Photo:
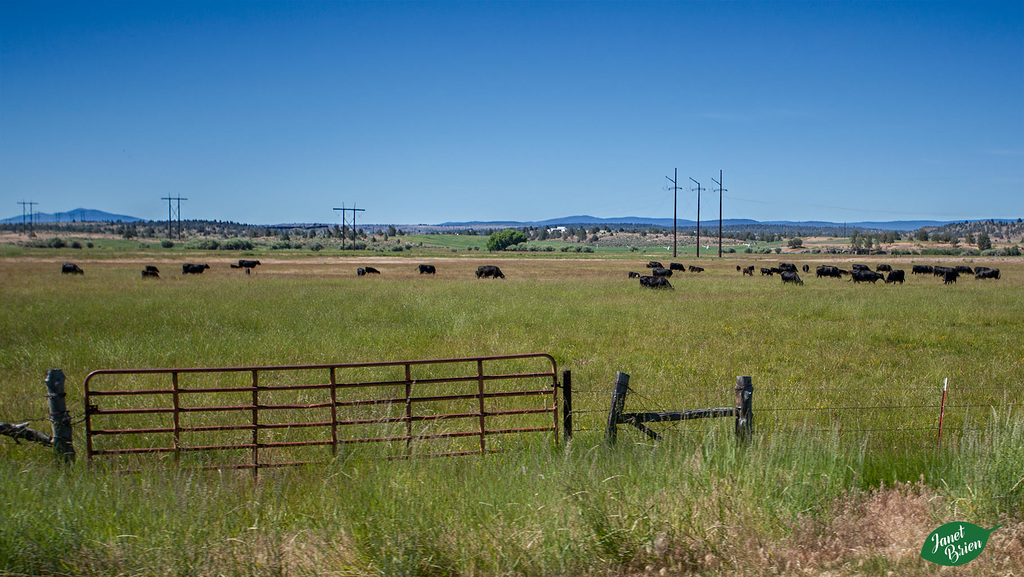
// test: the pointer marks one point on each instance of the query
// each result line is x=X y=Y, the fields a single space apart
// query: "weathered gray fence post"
x=618 y=405
x=59 y=417
x=567 y=405
x=744 y=408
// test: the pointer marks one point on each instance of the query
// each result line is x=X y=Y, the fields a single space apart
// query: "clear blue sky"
x=425 y=112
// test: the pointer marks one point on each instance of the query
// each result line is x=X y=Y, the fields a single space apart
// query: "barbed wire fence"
x=850 y=412
x=60 y=419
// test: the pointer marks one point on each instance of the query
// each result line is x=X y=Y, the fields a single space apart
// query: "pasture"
x=844 y=473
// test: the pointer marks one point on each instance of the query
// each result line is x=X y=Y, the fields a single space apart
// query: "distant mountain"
x=77 y=215
x=577 y=220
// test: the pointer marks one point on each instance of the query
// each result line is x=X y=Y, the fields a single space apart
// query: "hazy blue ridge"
x=93 y=215
x=76 y=215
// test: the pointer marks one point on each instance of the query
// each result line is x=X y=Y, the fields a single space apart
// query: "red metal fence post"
x=483 y=415
x=942 y=408
x=255 y=424
x=334 y=414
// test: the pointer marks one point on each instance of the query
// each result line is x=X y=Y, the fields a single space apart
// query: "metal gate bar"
x=257 y=448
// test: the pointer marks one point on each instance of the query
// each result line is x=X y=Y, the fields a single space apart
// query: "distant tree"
x=921 y=235
x=969 y=238
x=984 y=242
x=503 y=239
x=391 y=230
x=795 y=242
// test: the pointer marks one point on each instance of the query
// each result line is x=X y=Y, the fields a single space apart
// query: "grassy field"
x=844 y=474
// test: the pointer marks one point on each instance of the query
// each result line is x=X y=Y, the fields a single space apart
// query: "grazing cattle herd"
x=658 y=279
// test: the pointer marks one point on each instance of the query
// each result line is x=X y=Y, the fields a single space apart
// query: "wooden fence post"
x=744 y=408
x=567 y=405
x=618 y=405
x=59 y=417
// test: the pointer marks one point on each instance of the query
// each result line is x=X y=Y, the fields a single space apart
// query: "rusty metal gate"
x=272 y=416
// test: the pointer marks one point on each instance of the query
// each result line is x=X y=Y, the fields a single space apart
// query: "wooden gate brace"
x=743 y=411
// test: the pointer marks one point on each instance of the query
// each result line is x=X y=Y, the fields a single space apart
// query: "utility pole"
x=170 y=218
x=344 y=210
x=698 y=214
x=29 y=204
x=675 y=205
x=720 y=189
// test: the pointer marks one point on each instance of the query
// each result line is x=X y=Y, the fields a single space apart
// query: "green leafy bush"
x=501 y=240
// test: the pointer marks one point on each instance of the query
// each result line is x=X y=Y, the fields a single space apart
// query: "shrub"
x=89 y=245
x=316 y=247
x=166 y=243
x=501 y=240
x=588 y=249
x=237 y=244
x=76 y=244
x=203 y=244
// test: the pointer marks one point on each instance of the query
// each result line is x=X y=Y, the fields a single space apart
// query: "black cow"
x=360 y=271
x=487 y=270
x=246 y=264
x=791 y=276
x=70 y=268
x=895 y=276
x=150 y=272
x=807 y=268
x=921 y=269
x=963 y=269
x=427 y=269
x=950 y=276
x=985 y=272
x=942 y=270
x=787 y=267
x=861 y=267
x=677 y=266
x=662 y=272
x=371 y=270
x=696 y=269
x=655 y=282
x=883 y=268
x=749 y=270
x=634 y=274
x=828 y=271
x=654 y=264
x=151 y=268
x=867 y=276
x=194 y=268
x=767 y=271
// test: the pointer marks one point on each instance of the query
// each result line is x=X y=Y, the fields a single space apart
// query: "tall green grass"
x=695 y=502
